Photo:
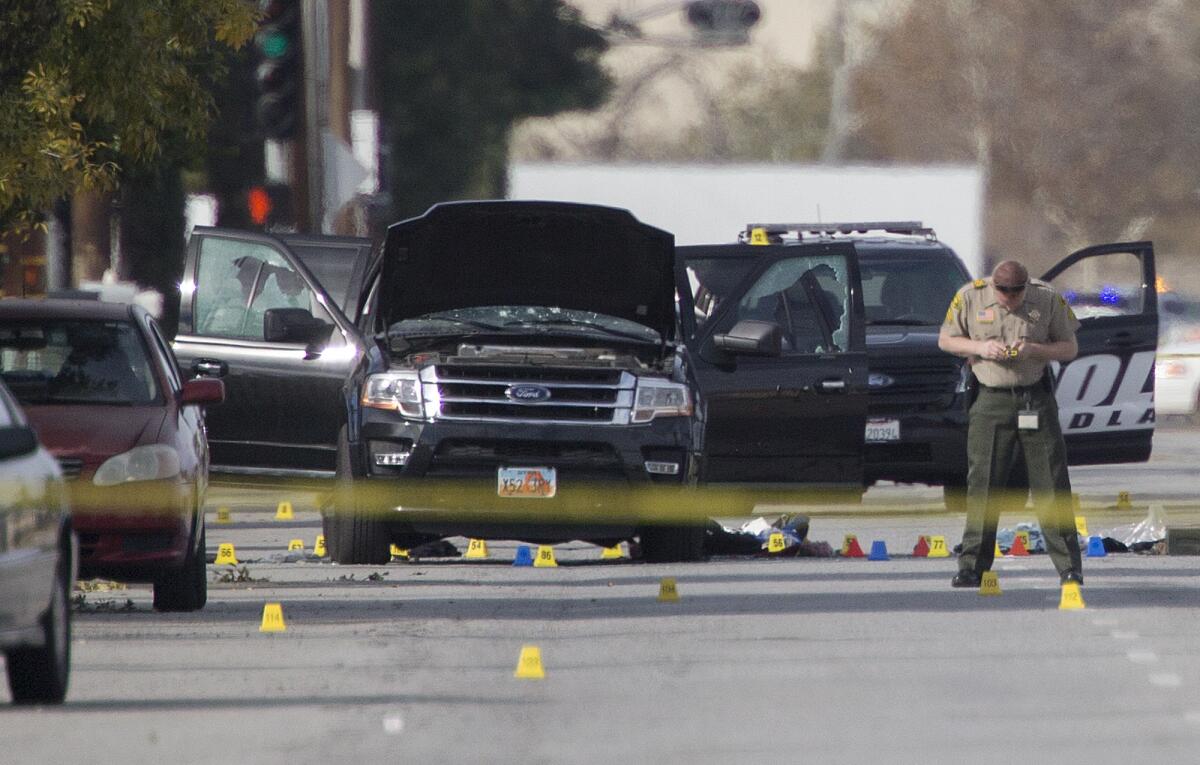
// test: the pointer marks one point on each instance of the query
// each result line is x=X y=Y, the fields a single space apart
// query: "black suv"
x=919 y=395
x=526 y=370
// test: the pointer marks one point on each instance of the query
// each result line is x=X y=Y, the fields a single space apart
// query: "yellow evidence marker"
x=668 y=592
x=937 y=547
x=223 y=515
x=529 y=664
x=272 y=619
x=225 y=555
x=999 y=553
x=758 y=236
x=1123 y=501
x=284 y=512
x=476 y=548
x=545 y=557
x=1081 y=525
x=399 y=552
x=319 y=546
x=775 y=543
x=989 y=583
x=612 y=553
x=1072 y=597
x=296 y=544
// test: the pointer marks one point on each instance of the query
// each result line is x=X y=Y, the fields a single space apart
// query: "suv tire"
x=185 y=589
x=354 y=536
x=672 y=544
x=39 y=675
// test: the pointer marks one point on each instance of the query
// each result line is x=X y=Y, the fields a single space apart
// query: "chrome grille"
x=913 y=387
x=595 y=395
x=71 y=467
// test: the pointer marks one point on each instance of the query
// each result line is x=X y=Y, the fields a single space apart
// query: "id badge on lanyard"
x=1027 y=418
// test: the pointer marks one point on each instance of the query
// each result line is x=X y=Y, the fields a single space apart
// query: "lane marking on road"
x=393 y=724
x=1141 y=656
x=1124 y=635
x=1165 y=680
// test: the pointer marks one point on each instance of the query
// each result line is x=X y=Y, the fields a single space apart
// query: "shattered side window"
x=808 y=298
x=238 y=281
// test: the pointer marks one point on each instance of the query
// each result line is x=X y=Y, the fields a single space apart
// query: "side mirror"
x=292 y=325
x=17 y=441
x=202 y=390
x=751 y=338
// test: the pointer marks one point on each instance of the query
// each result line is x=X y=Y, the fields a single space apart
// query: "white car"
x=1177 y=379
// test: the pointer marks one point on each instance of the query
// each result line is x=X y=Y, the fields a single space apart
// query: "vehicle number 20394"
x=526 y=482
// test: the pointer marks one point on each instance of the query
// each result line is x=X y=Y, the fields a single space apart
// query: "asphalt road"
x=801 y=659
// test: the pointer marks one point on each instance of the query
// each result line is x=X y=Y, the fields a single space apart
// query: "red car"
x=101 y=387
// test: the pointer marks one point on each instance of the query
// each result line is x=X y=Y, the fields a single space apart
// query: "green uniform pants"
x=994 y=444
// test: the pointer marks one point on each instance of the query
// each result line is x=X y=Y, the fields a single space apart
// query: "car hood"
x=583 y=257
x=93 y=433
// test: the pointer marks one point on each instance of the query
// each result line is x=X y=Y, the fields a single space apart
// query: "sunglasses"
x=1013 y=290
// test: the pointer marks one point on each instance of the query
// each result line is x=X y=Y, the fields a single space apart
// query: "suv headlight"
x=394 y=392
x=141 y=463
x=659 y=398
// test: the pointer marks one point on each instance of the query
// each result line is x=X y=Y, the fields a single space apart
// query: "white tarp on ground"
x=705 y=204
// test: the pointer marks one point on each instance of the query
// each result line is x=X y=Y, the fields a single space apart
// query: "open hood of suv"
x=583 y=257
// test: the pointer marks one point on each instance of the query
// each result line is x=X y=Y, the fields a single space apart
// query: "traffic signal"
x=270 y=206
x=723 y=21
x=280 y=68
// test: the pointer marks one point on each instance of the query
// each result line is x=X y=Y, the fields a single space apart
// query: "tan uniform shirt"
x=1043 y=317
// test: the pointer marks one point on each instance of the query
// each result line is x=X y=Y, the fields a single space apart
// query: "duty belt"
x=1013 y=388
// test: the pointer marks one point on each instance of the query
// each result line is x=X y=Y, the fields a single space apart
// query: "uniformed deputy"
x=1009 y=328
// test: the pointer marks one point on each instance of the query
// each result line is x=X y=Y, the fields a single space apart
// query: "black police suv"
x=919 y=395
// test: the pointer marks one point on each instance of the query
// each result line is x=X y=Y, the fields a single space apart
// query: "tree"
x=1083 y=115
x=453 y=77
x=90 y=87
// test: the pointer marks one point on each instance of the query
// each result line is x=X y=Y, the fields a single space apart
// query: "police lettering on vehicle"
x=1106 y=392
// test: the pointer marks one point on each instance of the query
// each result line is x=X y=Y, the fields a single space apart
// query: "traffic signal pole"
x=316 y=88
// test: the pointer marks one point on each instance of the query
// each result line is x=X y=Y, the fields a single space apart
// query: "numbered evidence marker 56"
x=226 y=555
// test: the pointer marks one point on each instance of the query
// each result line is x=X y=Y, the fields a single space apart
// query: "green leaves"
x=88 y=87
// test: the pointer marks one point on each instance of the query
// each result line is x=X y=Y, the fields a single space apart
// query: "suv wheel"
x=354 y=536
x=185 y=589
x=39 y=675
x=672 y=544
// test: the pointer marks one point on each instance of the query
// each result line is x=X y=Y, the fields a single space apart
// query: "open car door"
x=268 y=315
x=777 y=354
x=1106 y=395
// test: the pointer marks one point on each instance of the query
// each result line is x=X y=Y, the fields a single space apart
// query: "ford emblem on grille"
x=878 y=380
x=527 y=394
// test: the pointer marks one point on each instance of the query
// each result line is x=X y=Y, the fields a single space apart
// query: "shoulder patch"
x=979 y=284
